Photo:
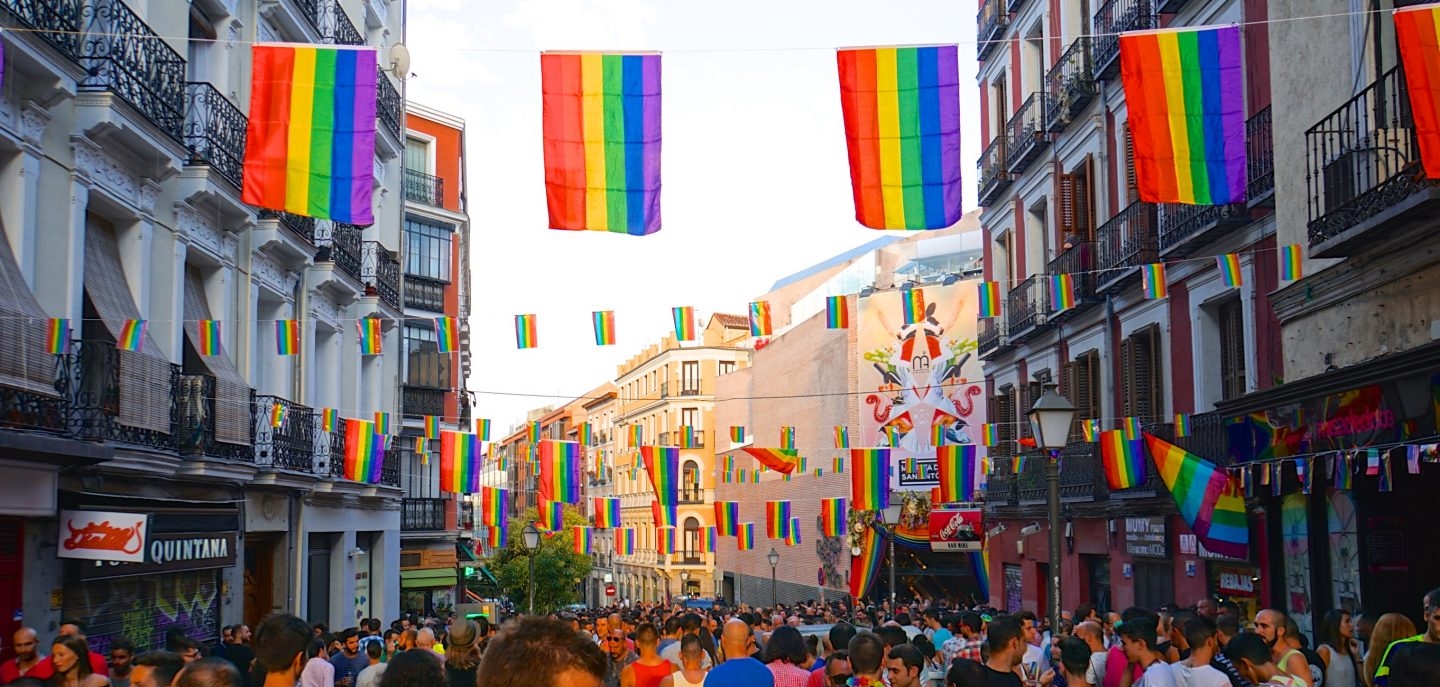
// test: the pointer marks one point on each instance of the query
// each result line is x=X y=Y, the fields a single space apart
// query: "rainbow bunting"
x=955 y=466
x=132 y=335
x=364 y=452
x=310 y=138
x=1278 y=479
x=1229 y=266
x=607 y=512
x=602 y=141
x=494 y=505
x=1385 y=481
x=432 y=426
x=371 y=335
x=663 y=515
x=447 y=335
x=1017 y=465
x=1415 y=36
x=665 y=540
x=727 y=516
x=526 y=335
x=737 y=434
x=532 y=432
x=583 y=434
x=625 y=543
x=420 y=451
x=892 y=435
x=57 y=336
x=1152 y=280
x=662 y=463
x=912 y=305
x=777 y=459
x=1186 y=92
x=560 y=471
x=745 y=536
x=777 y=519
x=482 y=428
x=937 y=434
x=1182 y=425
x=792 y=534
x=604 y=324
x=1208 y=499
x=707 y=540
x=209 y=337
x=328 y=419
x=684 y=317
x=842 y=436
x=837 y=465
x=1306 y=474
x=1290 y=266
x=459 y=463
x=760 y=318
x=989 y=301
x=495 y=537
x=277 y=415
x=550 y=515
x=832 y=517
x=837 y=312
x=902 y=132
x=287 y=337
x=869 y=482
x=1091 y=428
x=583 y=540
x=865 y=568
x=988 y=435
x=637 y=436
x=382 y=424
x=1122 y=459
x=787 y=438
x=1131 y=426
x=1062 y=292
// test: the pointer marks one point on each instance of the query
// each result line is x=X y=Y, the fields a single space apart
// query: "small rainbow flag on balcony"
x=745 y=536
x=1152 y=280
x=737 y=434
x=604 y=325
x=777 y=519
x=459 y=463
x=607 y=512
x=707 y=540
x=583 y=540
x=727 y=516
x=526 y=335
x=382 y=424
x=447 y=335
x=482 y=428
x=277 y=415
x=132 y=335
x=902 y=132
x=989 y=301
x=208 y=337
x=494 y=505
x=1017 y=465
x=364 y=452
x=842 y=436
x=371 y=335
x=57 y=336
x=432 y=426
x=1062 y=292
x=1290 y=265
x=1229 y=266
x=1182 y=425
x=287 y=337
x=760 y=318
x=1123 y=459
x=787 y=438
x=989 y=436
x=1186 y=92
x=869 y=478
x=1091 y=429
x=550 y=515
x=956 y=470
x=684 y=317
x=832 y=517
x=912 y=305
x=837 y=312
x=328 y=418
x=1132 y=428
x=688 y=436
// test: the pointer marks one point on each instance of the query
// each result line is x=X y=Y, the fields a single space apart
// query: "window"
x=1232 y=349
x=1002 y=415
x=726 y=367
x=1132 y=185
x=690 y=417
x=1081 y=384
x=417 y=155
x=1014 y=588
x=692 y=539
x=690 y=377
x=427 y=249
x=1077 y=202
x=1142 y=375
x=425 y=365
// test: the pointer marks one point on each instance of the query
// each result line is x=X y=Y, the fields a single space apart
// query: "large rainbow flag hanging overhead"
x=662 y=463
x=364 y=452
x=832 y=516
x=902 y=132
x=727 y=517
x=494 y=506
x=602 y=141
x=310 y=140
x=955 y=465
x=777 y=459
x=869 y=478
x=777 y=519
x=1415 y=34
x=1209 y=498
x=865 y=567
x=459 y=462
x=1185 y=91
x=560 y=471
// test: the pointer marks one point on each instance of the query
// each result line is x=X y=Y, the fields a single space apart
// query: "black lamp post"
x=532 y=544
x=774 y=558
x=1050 y=420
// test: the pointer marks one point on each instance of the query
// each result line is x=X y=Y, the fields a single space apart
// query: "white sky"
x=756 y=183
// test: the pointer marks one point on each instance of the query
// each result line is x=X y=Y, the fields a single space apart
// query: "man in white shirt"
x=1093 y=635
x=370 y=676
x=1196 y=670
x=689 y=625
x=1139 y=639
x=1036 y=651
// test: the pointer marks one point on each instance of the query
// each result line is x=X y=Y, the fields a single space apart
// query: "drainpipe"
x=297 y=553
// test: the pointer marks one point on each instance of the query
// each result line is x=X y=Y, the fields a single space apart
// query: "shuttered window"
x=1232 y=349
x=24 y=364
x=1142 y=376
x=144 y=375
x=1004 y=420
x=232 y=393
x=1132 y=184
x=1077 y=202
x=1081 y=384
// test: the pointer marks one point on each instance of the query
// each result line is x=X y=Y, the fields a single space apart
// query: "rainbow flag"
x=1091 y=428
x=691 y=437
x=792 y=535
x=432 y=426
x=745 y=536
x=560 y=471
x=420 y=451
x=707 y=540
x=1152 y=281
x=737 y=434
x=1123 y=461
x=760 y=318
x=583 y=542
x=832 y=517
x=1182 y=425
x=447 y=335
x=607 y=512
x=583 y=434
x=277 y=415
x=912 y=305
x=1132 y=428
x=1062 y=292
x=550 y=515
x=787 y=438
x=132 y=335
x=937 y=434
x=842 y=436
x=371 y=335
x=494 y=505
x=892 y=435
x=988 y=435
x=837 y=465
x=902 y=132
x=1290 y=265
x=495 y=537
x=837 y=312
x=665 y=540
x=328 y=419
x=525 y=333
x=602 y=141
x=364 y=452
x=777 y=459
x=310 y=140
x=956 y=470
x=777 y=519
x=727 y=516
x=865 y=568
x=869 y=478
x=287 y=337
x=625 y=542
x=1384 y=479
x=1017 y=464
x=664 y=515
x=1186 y=93
x=662 y=463
x=637 y=435
x=1229 y=266
x=459 y=463
x=209 y=337
x=57 y=336
x=482 y=427
x=604 y=324
x=980 y=564
x=684 y=317
x=532 y=432
x=989 y=301
x=1415 y=32
x=1305 y=472
x=382 y=424
x=1208 y=498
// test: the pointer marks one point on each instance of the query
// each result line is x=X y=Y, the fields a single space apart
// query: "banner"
x=960 y=530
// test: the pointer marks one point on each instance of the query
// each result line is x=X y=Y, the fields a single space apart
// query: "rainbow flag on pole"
x=760 y=318
x=1122 y=459
x=526 y=335
x=459 y=463
x=604 y=324
x=869 y=478
x=837 y=312
x=684 y=317
x=57 y=336
x=364 y=452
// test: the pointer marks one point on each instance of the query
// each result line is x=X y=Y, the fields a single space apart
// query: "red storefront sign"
x=103 y=536
x=957 y=530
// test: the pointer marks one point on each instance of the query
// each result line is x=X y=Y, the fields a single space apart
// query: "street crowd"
x=924 y=644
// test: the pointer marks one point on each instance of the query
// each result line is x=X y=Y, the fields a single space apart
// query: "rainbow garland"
x=869 y=478
x=787 y=438
x=287 y=337
x=956 y=467
x=1123 y=460
x=57 y=336
x=560 y=471
x=989 y=299
x=132 y=335
x=371 y=335
x=482 y=428
x=432 y=426
x=912 y=305
x=837 y=312
x=777 y=519
x=665 y=540
x=607 y=512
x=792 y=535
x=208 y=337
x=832 y=517
x=727 y=517
x=447 y=335
x=604 y=325
x=1062 y=292
x=745 y=536
x=625 y=541
x=662 y=463
x=459 y=463
x=1229 y=266
x=1152 y=281
x=737 y=434
x=583 y=540
x=842 y=436
x=494 y=505
x=684 y=317
x=550 y=515
x=364 y=452
x=707 y=540
x=760 y=318
x=382 y=423
x=865 y=568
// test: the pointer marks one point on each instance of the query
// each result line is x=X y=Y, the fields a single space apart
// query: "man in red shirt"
x=45 y=669
x=27 y=656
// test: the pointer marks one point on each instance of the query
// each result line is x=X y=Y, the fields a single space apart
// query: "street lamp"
x=774 y=557
x=532 y=544
x=684 y=583
x=1050 y=420
x=892 y=518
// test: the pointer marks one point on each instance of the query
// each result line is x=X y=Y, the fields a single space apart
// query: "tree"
x=558 y=569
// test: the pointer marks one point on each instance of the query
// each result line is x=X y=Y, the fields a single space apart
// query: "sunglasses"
x=614 y=639
x=839 y=679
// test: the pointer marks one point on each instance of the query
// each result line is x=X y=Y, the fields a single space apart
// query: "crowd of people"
x=811 y=644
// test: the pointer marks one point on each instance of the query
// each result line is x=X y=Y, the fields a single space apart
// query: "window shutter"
x=1132 y=185
x=1085 y=201
x=1232 y=349
x=24 y=363
x=1068 y=223
x=1127 y=376
x=1157 y=374
x=232 y=394
x=1091 y=390
x=145 y=386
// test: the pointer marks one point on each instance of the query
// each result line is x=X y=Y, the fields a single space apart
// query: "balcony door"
x=690 y=481
x=690 y=377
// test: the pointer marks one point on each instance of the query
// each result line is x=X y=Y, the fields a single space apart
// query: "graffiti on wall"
x=144 y=609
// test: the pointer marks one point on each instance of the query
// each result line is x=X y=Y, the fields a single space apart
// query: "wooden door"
x=259 y=578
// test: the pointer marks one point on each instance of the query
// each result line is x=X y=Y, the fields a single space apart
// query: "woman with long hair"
x=1338 y=650
x=1388 y=628
x=71 y=657
x=413 y=669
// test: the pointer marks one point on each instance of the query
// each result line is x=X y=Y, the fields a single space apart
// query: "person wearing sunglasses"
x=835 y=673
x=617 y=656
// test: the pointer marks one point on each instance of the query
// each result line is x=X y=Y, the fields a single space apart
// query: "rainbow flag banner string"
x=132 y=335
x=1182 y=425
x=842 y=436
x=727 y=517
x=459 y=463
x=447 y=335
x=745 y=536
x=482 y=428
x=329 y=417
x=560 y=471
x=1062 y=292
x=989 y=299
x=607 y=512
x=902 y=131
x=989 y=434
x=287 y=337
x=382 y=423
x=57 y=336
x=432 y=426
x=310 y=137
x=1186 y=92
x=526 y=335
x=737 y=434
x=1290 y=264
x=912 y=305
x=1152 y=281
x=869 y=478
x=1091 y=429
x=1208 y=498
x=777 y=519
x=792 y=534
x=955 y=465
x=1122 y=459
x=208 y=338
x=1229 y=266
x=684 y=317
x=583 y=539
x=364 y=452
x=1132 y=428
x=604 y=324
x=494 y=505
x=371 y=335
x=837 y=312
x=760 y=318
x=832 y=517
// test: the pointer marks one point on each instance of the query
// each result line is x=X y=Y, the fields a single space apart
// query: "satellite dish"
x=400 y=60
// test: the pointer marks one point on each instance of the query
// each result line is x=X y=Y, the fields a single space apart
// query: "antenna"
x=399 y=61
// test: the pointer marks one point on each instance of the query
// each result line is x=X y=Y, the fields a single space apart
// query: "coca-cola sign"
x=103 y=536
x=958 y=530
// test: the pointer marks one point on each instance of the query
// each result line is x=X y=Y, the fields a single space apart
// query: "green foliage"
x=558 y=569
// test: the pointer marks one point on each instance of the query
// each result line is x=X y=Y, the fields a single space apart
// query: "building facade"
x=599 y=408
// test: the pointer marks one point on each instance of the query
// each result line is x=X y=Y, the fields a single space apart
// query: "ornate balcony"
x=424 y=188
x=994 y=177
x=122 y=55
x=329 y=449
x=1114 y=18
x=1207 y=438
x=300 y=225
x=691 y=493
x=390 y=108
x=390 y=469
x=424 y=294
x=334 y=25
x=380 y=271
x=291 y=446
x=1081 y=476
x=1071 y=85
x=1079 y=263
x=1000 y=489
x=1173 y=6
x=26 y=410
x=1184 y=229
x=195 y=421
x=1125 y=242
x=418 y=514
x=214 y=131
x=1027 y=308
x=93 y=388
x=419 y=401
x=344 y=247
x=990 y=25
x=1028 y=134
x=56 y=21
x=1260 y=159
x=991 y=336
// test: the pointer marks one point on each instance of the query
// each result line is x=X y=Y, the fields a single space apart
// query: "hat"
x=462 y=633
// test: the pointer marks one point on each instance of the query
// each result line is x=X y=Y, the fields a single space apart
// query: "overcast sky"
x=756 y=184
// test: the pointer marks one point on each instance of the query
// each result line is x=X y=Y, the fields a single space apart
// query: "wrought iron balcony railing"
x=195 y=417
x=692 y=493
x=1026 y=308
x=1000 y=488
x=1114 y=18
x=335 y=26
x=291 y=445
x=424 y=294
x=419 y=401
x=302 y=226
x=422 y=514
x=424 y=188
x=28 y=410
x=994 y=176
x=390 y=108
x=343 y=242
x=1029 y=135
x=92 y=385
x=390 y=469
x=990 y=24
x=1071 y=84
x=1079 y=263
x=379 y=270
x=1184 y=227
x=1081 y=477
x=1260 y=159
x=1127 y=241
x=329 y=449
x=989 y=336
x=56 y=21
x=121 y=54
x=1207 y=438
x=214 y=131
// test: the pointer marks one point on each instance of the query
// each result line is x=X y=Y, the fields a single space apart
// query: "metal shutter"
x=144 y=376
x=24 y=363
x=232 y=394
x=142 y=607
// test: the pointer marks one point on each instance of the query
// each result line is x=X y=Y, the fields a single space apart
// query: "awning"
x=485 y=573
x=429 y=578
x=465 y=552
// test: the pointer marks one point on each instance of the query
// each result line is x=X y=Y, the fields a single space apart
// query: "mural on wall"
x=1295 y=547
x=1344 y=550
x=919 y=376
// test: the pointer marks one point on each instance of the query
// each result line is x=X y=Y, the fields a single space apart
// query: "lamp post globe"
x=1050 y=420
x=531 y=537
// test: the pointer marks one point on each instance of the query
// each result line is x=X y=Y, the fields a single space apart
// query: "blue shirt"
x=940 y=636
x=740 y=672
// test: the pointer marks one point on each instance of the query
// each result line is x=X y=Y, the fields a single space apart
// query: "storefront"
x=427 y=579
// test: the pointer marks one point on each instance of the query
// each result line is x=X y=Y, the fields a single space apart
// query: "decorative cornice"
x=105 y=171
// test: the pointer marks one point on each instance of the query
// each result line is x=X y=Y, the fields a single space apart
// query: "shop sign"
x=1235 y=582
x=1146 y=537
x=172 y=552
x=959 y=530
x=1207 y=553
x=103 y=535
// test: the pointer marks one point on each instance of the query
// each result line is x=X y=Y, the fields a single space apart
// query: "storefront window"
x=1295 y=547
x=1344 y=550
